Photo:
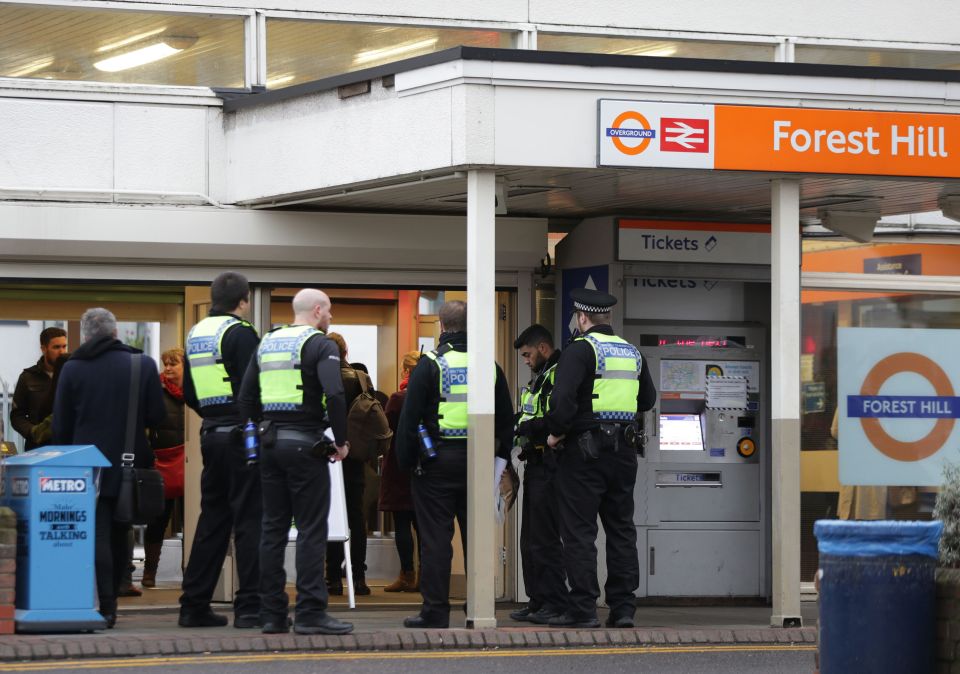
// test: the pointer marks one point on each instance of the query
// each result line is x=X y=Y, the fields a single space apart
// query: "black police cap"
x=592 y=301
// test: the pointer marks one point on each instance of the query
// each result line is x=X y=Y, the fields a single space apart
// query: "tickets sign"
x=898 y=405
x=799 y=140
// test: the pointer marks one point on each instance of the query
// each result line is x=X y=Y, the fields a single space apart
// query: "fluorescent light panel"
x=130 y=40
x=136 y=58
x=396 y=50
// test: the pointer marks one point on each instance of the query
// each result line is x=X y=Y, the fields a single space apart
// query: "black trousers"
x=588 y=488
x=230 y=502
x=540 y=547
x=156 y=528
x=354 y=481
x=404 y=526
x=296 y=485
x=439 y=496
x=110 y=554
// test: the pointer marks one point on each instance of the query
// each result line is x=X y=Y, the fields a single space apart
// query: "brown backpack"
x=367 y=428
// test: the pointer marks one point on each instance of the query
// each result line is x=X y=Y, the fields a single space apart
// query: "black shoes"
x=335 y=589
x=202 y=619
x=568 y=620
x=281 y=626
x=111 y=619
x=325 y=624
x=246 y=621
x=522 y=614
x=360 y=587
x=419 y=622
x=543 y=616
x=621 y=622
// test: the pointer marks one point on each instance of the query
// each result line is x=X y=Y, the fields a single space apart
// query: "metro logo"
x=684 y=134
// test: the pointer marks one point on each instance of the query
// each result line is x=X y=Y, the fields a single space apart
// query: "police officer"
x=540 y=547
x=437 y=398
x=600 y=386
x=291 y=384
x=218 y=350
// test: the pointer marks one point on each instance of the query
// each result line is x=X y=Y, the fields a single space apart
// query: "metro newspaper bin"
x=53 y=492
x=877 y=595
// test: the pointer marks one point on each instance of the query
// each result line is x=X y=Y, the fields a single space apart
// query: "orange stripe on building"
x=691 y=226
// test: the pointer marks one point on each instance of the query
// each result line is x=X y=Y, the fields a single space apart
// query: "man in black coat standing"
x=90 y=407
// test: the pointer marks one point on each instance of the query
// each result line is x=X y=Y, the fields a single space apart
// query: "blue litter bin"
x=53 y=493
x=877 y=596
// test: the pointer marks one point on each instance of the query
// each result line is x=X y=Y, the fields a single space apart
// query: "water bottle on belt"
x=251 y=443
x=427 y=450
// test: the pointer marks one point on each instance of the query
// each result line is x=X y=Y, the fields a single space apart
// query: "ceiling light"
x=857 y=225
x=649 y=50
x=387 y=53
x=950 y=205
x=164 y=48
x=130 y=40
x=280 y=79
x=32 y=67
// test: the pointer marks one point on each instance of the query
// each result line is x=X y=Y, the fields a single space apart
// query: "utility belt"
x=534 y=452
x=235 y=431
x=609 y=437
x=318 y=445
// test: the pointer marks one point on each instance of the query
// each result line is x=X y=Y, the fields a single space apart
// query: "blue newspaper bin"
x=877 y=596
x=53 y=493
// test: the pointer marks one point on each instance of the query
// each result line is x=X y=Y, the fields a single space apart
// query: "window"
x=636 y=46
x=303 y=51
x=887 y=58
x=56 y=43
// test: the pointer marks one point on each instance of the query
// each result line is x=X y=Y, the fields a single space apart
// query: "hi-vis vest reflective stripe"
x=279 y=356
x=452 y=412
x=534 y=404
x=617 y=381
x=204 y=353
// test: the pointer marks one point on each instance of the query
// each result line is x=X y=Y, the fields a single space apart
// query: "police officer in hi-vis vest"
x=601 y=385
x=540 y=547
x=218 y=350
x=436 y=408
x=293 y=388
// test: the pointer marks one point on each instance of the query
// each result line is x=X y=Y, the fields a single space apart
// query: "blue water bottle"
x=251 y=443
x=427 y=451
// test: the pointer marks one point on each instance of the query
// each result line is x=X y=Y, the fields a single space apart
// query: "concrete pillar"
x=785 y=399
x=481 y=342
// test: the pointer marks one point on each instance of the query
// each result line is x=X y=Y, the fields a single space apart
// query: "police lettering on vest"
x=205 y=355
x=279 y=358
x=452 y=410
x=617 y=382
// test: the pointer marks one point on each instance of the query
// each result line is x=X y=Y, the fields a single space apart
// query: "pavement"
x=147 y=626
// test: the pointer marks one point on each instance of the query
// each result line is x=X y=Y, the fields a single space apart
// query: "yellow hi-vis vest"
x=210 y=378
x=533 y=403
x=452 y=411
x=279 y=357
x=617 y=381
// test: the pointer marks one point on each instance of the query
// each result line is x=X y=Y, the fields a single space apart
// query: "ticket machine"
x=700 y=487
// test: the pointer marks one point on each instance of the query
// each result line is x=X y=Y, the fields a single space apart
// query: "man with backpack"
x=367 y=429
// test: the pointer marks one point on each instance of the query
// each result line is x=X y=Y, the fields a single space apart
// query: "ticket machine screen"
x=681 y=432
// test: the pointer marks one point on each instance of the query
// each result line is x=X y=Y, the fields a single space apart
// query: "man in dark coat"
x=33 y=390
x=91 y=406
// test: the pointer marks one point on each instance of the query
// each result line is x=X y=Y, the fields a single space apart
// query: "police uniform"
x=218 y=349
x=601 y=384
x=291 y=385
x=541 y=549
x=437 y=398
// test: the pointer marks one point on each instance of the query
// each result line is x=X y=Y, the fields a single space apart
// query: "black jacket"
x=423 y=400
x=320 y=369
x=536 y=429
x=169 y=432
x=571 y=403
x=92 y=399
x=29 y=398
x=239 y=344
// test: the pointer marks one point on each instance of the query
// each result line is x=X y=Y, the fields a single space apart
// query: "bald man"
x=293 y=388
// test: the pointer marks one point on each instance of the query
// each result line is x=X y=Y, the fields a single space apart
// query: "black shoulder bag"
x=140 y=500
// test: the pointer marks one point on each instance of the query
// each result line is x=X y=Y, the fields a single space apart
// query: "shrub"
x=947 y=510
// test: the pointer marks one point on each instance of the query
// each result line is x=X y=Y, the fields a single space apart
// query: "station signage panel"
x=682 y=241
x=897 y=405
x=795 y=140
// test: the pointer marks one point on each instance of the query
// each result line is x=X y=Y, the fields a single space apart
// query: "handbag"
x=169 y=462
x=140 y=499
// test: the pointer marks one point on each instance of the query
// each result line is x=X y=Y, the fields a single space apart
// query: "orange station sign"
x=789 y=140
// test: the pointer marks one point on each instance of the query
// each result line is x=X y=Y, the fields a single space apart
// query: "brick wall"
x=8 y=568
x=948 y=620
